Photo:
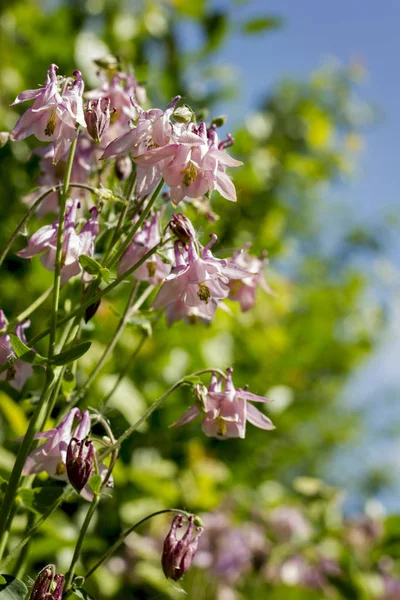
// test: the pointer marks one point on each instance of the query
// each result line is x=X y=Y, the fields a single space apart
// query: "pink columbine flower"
x=178 y=554
x=153 y=130
x=44 y=242
x=225 y=412
x=19 y=371
x=51 y=457
x=56 y=112
x=244 y=290
x=154 y=269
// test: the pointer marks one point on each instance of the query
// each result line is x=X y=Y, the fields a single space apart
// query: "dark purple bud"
x=80 y=461
x=182 y=228
x=97 y=117
x=123 y=167
x=91 y=311
x=48 y=585
x=177 y=554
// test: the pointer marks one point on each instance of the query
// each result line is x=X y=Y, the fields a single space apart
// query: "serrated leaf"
x=24 y=353
x=64 y=358
x=95 y=484
x=39 y=499
x=90 y=265
x=261 y=24
x=12 y=588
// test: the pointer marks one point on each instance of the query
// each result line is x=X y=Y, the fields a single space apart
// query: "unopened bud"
x=177 y=554
x=80 y=461
x=184 y=114
x=182 y=228
x=48 y=585
x=123 y=167
x=219 y=121
x=97 y=117
x=107 y=62
x=4 y=137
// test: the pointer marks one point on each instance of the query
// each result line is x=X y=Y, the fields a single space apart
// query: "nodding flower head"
x=97 y=117
x=182 y=228
x=80 y=462
x=48 y=585
x=178 y=554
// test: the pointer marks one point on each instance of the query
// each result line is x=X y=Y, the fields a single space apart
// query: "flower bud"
x=48 y=585
x=182 y=228
x=177 y=554
x=184 y=114
x=91 y=310
x=123 y=167
x=80 y=461
x=97 y=117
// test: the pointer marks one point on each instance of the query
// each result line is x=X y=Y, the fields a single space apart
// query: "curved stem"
x=123 y=537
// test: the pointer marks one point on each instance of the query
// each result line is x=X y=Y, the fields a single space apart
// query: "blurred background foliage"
x=298 y=346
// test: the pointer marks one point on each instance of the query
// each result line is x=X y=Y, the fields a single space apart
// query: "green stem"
x=122 y=216
x=82 y=534
x=59 y=249
x=123 y=537
x=117 y=334
x=21 y=564
x=35 y=527
x=28 y=311
x=138 y=224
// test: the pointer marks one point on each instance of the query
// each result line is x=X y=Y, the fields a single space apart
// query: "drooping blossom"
x=56 y=112
x=244 y=290
x=196 y=284
x=97 y=117
x=44 y=242
x=80 y=462
x=225 y=412
x=51 y=457
x=182 y=228
x=178 y=554
x=154 y=269
x=48 y=585
x=19 y=371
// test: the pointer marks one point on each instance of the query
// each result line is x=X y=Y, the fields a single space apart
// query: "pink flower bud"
x=97 y=117
x=182 y=228
x=80 y=460
x=177 y=554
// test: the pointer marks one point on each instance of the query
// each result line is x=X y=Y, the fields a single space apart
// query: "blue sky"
x=315 y=31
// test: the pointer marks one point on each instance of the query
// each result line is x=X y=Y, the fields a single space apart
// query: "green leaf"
x=24 y=353
x=12 y=588
x=95 y=484
x=80 y=593
x=261 y=24
x=68 y=383
x=64 y=358
x=39 y=499
x=105 y=273
x=90 y=265
x=2 y=580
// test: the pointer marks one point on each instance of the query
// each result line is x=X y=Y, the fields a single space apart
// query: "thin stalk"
x=123 y=537
x=33 y=209
x=117 y=334
x=82 y=534
x=36 y=526
x=58 y=259
x=136 y=226
x=22 y=562
x=28 y=311
x=122 y=216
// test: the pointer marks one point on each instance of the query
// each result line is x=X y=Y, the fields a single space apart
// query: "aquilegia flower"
x=51 y=457
x=19 y=371
x=44 y=242
x=244 y=290
x=56 y=112
x=177 y=556
x=225 y=412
